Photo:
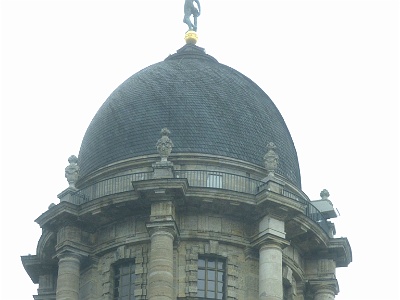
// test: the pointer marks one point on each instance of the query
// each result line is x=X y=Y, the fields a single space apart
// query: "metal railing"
x=220 y=180
x=314 y=214
x=195 y=178
x=110 y=186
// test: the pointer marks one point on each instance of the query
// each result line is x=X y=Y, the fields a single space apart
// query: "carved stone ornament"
x=271 y=159
x=164 y=144
x=324 y=194
x=72 y=171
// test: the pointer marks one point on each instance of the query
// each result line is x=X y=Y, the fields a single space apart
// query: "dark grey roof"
x=209 y=108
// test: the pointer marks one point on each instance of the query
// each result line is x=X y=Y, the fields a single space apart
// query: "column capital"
x=269 y=240
x=163 y=227
x=324 y=286
x=68 y=251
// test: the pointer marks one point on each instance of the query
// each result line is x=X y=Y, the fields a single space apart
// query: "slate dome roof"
x=209 y=108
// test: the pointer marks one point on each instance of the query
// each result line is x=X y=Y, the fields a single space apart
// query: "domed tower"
x=187 y=186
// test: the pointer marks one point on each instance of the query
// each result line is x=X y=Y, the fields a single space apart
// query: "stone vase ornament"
x=324 y=194
x=164 y=145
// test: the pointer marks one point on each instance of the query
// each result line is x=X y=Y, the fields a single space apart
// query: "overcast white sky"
x=331 y=67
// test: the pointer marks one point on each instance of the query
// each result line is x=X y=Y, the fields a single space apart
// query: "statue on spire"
x=190 y=9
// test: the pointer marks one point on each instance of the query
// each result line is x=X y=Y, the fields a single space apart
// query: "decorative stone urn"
x=324 y=194
x=164 y=168
x=164 y=144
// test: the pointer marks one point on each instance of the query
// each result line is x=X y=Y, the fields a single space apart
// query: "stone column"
x=270 y=271
x=162 y=230
x=160 y=277
x=68 y=276
x=270 y=241
x=324 y=293
x=324 y=289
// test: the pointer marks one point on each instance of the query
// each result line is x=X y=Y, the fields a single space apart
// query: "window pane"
x=211 y=263
x=125 y=280
x=219 y=295
x=211 y=275
x=211 y=285
x=210 y=295
x=200 y=293
x=125 y=291
x=220 y=276
x=220 y=265
x=201 y=263
x=201 y=285
x=220 y=287
x=201 y=274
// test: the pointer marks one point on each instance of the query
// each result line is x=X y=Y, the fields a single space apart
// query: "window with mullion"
x=210 y=278
x=124 y=281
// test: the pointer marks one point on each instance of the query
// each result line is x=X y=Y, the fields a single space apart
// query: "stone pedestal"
x=163 y=169
x=67 y=195
x=68 y=277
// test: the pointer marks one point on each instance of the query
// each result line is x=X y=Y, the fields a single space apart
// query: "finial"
x=164 y=144
x=191 y=37
x=72 y=171
x=324 y=194
x=191 y=10
x=271 y=159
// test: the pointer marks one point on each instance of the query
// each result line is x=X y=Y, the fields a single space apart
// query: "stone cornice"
x=58 y=215
x=311 y=227
x=34 y=267
x=341 y=250
x=283 y=206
